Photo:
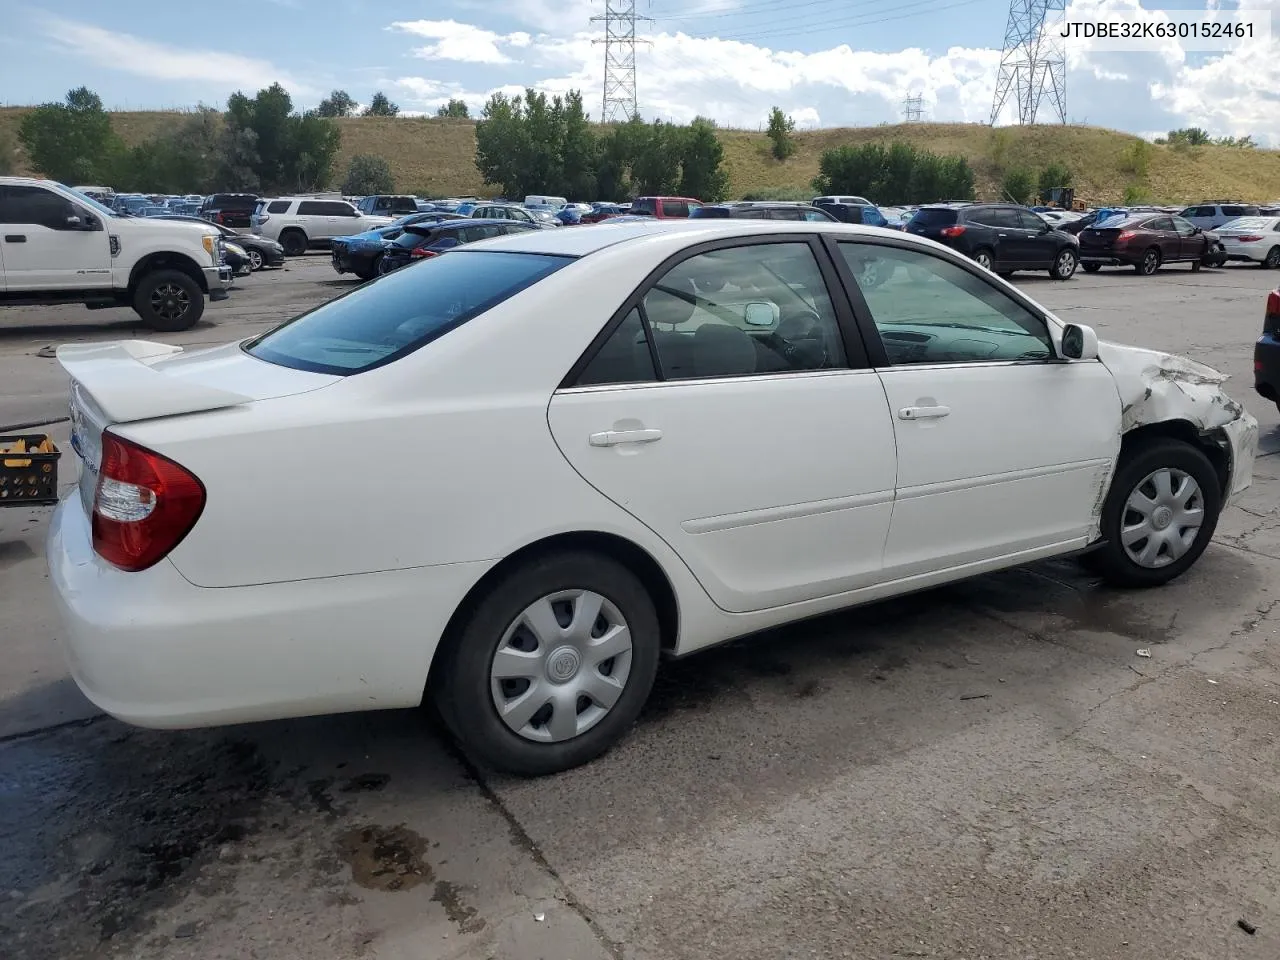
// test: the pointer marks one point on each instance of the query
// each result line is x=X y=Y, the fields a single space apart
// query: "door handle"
x=15 y=238
x=923 y=413
x=1002 y=234
x=611 y=438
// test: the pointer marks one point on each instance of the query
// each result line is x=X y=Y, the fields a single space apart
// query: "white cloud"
x=145 y=58
x=463 y=42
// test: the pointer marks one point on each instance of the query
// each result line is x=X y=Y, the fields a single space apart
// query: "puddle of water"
x=386 y=858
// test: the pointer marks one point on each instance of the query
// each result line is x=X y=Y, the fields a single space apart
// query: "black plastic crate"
x=28 y=479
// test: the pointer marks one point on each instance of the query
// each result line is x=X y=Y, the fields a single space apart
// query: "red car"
x=1145 y=242
x=664 y=208
x=1266 y=352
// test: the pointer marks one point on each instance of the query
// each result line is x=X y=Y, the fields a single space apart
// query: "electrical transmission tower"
x=913 y=109
x=619 y=59
x=1033 y=63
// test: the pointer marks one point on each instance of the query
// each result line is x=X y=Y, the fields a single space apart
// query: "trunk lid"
x=1098 y=240
x=131 y=380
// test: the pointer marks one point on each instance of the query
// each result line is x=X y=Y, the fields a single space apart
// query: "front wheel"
x=1159 y=515
x=1064 y=267
x=255 y=258
x=168 y=301
x=552 y=667
x=1149 y=263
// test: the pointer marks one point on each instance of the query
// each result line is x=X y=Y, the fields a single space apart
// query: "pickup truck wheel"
x=294 y=243
x=168 y=301
x=1159 y=515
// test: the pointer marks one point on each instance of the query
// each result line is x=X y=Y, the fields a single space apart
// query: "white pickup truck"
x=60 y=246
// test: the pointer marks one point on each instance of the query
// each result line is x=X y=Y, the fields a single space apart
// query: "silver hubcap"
x=984 y=261
x=1150 y=262
x=255 y=259
x=1162 y=518
x=561 y=666
x=1066 y=263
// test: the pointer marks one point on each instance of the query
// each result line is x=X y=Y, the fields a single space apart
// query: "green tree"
x=655 y=166
x=1134 y=193
x=288 y=151
x=1018 y=185
x=499 y=144
x=579 y=150
x=182 y=159
x=1053 y=177
x=72 y=141
x=781 y=130
x=701 y=163
x=237 y=153
x=1242 y=143
x=1136 y=159
x=337 y=104
x=901 y=173
x=1189 y=137
x=454 y=109
x=381 y=106
x=367 y=174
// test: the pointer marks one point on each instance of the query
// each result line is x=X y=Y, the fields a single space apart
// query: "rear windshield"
x=933 y=218
x=1115 y=221
x=1249 y=223
x=401 y=312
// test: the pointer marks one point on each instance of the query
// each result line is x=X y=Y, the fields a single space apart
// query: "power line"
x=619 y=101
x=929 y=7
x=1032 y=62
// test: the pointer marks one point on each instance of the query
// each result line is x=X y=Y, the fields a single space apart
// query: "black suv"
x=1002 y=237
x=758 y=210
x=229 y=209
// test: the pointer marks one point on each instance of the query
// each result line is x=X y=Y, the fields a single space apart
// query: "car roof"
x=425 y=226
x=583 y=241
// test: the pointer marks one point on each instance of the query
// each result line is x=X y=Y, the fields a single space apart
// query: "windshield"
x=92 y=203
x=401 y=311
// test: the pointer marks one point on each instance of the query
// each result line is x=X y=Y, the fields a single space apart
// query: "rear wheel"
x=1272 y=259
x=1092 y=267
x=984 y=258
x=168 y=301
x=1149 y=263
x=294 y=243
x=1159 y=515
x=552 y=667
x=1064 y=267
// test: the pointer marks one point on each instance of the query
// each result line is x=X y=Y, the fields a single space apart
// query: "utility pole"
x=619 y=102
x=913 y=109
x=1032 y=63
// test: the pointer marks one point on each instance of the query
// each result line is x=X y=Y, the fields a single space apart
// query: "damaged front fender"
x=1157 y=387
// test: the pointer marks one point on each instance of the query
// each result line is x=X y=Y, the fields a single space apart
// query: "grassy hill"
x=431 y=156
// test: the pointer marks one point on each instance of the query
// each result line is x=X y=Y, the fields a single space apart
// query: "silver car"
x=1252 y=240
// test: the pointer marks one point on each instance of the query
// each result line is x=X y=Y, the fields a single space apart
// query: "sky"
x=825 y=62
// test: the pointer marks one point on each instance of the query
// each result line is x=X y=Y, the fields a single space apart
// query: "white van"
x=552 y=203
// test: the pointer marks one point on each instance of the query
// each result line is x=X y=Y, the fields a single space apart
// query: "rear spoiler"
x=125 y=387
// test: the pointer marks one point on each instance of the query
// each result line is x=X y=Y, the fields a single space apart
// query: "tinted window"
x=34 y=205
x=785 y=213
x=992 y=217
x=311 y=208
x=717 y=212
x=410 y=239
x=757 y=309
x=816 y=216
x=1162 y=224
x=933 y=218
x=623 y=358
x=279 y=206
x=1184 y=227
x=929 y=310
x=644 y=205
x=1028 y=220
x=675 y=208
x=1234 y=211
x=404 y=310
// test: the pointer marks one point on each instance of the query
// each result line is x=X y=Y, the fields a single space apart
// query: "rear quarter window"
x=279 y=206
x=401 y=312
x=933 y=218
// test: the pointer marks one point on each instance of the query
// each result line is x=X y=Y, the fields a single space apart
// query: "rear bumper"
x=1104 y=259
x=1266 y=367
x=153 y=650
x=1247 y=252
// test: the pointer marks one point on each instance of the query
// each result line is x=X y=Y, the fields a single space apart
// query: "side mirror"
x=1079 y=342
x=73 y=222
x=759 y=313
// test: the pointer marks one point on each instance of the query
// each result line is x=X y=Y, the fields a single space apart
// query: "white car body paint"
x=348 y=517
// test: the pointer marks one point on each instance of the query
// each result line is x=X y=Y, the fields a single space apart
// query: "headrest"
x=720 y=350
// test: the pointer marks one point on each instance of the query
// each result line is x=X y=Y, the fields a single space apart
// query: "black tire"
x=372 y=271
x=1272 y=259
x=1092 y=267
x=1195 y=266
x=294 y=242
x=1111 y=559
x=461 y=686
x=1149 y=263
x=168 y=301
x=256 y=260
x=1064 y=264
x=980 y=254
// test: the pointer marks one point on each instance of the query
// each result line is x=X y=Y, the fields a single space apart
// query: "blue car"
x=361 y=253
x=422 y=241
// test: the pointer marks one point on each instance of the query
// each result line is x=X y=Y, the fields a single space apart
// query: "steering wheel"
x=799 y=337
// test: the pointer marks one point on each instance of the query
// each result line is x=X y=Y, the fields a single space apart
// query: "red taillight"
x=951 y=231
x=144 y=505
x=1124 y=235
x=1271 y=322
x=1248 y=239
x=1273 y=301
x=422 y=253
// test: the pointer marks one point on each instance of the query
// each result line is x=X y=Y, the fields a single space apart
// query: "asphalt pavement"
x=989 y=770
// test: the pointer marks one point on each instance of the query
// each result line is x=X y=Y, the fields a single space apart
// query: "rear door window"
x=405 y=310
x=1234 y=211
x=675 y=208
x=644 y=205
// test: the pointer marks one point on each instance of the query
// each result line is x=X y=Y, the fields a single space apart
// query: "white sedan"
x=509 y=479
x=1252 y=240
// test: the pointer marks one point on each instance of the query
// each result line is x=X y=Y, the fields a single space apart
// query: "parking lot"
x=988 y=770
